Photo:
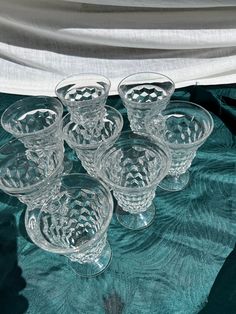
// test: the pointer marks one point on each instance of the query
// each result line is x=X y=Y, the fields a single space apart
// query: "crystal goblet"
x=36 y=121
x=30 y=175
x=74 y=223
x=184 y=127
x=85 y=141
x=85 y=96
x=133 y=166
x=144 y=92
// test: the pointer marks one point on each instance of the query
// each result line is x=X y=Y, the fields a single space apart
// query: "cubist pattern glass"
x=184 y=127
x=74 y=223
x=85 y=141
x=144 y=92
x=28 y=174
x=133 y=166
x=85 y=96
x=36 y=121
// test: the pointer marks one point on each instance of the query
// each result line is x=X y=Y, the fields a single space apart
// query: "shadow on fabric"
x=11 y=280
x=222 y=298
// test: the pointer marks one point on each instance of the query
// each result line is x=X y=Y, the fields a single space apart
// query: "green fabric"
x=171 y=267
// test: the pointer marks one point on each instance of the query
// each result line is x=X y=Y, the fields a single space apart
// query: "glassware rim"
x=164 y=148
x=107 y=88
x=90 y=146
x=82 y=248
x=187 y=145
x=20 y=135
x=144 y=104
x=19 y=191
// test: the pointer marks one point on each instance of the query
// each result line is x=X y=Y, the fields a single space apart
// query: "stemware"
x=30 y=175
x=144 y=92
x=184 y=127
x=36 y=121
x=85 y=96
x=132 y=167
x=85 y=141
x=74 y=223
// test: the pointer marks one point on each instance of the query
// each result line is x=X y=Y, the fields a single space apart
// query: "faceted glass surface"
x=84 y=96
x=145 y=93
x=73 y=222
x=184 y=127
x=83 y=93
x=142 y=93
x=36 y=121
x=133 y=166
x=33 y=121
x=72 y=219
x=85 y=141
x=26 y=173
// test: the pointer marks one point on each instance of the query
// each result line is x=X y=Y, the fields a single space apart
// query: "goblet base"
x=95 y=268
x=171 y=183
x=135 y=221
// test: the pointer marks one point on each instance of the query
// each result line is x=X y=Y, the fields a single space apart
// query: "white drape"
x=43 y=41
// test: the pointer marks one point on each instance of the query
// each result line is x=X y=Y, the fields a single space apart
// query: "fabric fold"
x=43 y=41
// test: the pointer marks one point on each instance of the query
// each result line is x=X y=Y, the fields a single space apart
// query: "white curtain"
x=42 y=41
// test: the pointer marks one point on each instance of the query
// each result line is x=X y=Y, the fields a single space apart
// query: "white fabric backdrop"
x=43 y=41
x=162 y=3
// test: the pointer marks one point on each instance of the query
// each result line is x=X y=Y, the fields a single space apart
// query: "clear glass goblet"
x=85 y=141
x=74 y=223
x=132 y=167
x=184 y=127
x=35 y=121
x=30 y=175
x=85 y=96
x=144 y=92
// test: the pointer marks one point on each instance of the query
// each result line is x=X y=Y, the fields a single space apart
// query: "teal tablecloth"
x=169 y=268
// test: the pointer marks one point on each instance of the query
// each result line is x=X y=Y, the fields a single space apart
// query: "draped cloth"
x=42 y=41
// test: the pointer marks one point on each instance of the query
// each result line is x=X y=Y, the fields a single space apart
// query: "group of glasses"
x=69 y=213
